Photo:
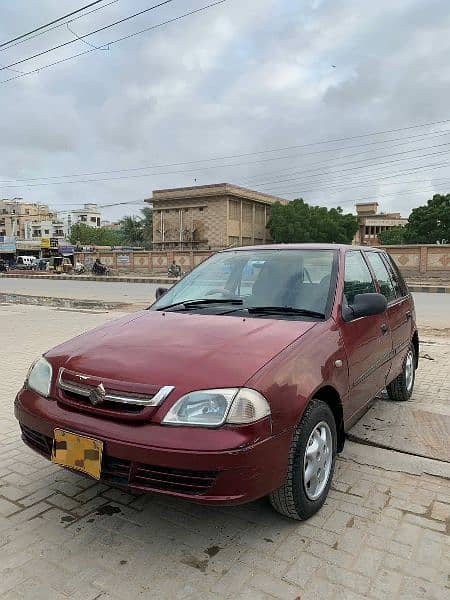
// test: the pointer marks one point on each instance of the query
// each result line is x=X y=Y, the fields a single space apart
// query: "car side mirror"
x=365 y=305
x=160 y=292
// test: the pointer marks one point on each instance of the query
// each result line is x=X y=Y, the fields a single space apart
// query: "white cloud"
x=241 y=77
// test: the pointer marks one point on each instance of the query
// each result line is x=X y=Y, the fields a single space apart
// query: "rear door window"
x=397 y=279
x=387 y=287
x=357 y=277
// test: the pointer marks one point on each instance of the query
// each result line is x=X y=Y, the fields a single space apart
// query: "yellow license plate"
x=77 y=452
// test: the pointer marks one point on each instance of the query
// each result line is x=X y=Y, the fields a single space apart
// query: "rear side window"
x=357 y=277
x=381 y=273
x=397 y=279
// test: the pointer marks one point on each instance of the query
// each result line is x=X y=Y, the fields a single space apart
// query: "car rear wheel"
x=311 y=464
x=402 y=387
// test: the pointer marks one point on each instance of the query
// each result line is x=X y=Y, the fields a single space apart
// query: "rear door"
x=367 y=340
x=399 y=311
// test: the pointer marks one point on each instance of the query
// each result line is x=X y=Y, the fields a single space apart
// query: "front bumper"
x=221 y=466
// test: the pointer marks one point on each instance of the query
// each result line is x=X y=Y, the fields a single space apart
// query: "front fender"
x=291 y=378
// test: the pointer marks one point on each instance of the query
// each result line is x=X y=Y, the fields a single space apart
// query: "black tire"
x=402 y=387
x=291 y=498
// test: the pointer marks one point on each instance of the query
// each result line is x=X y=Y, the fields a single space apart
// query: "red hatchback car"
x=239 y=382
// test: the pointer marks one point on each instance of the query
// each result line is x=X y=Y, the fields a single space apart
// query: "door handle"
x=384 y=329
x=408 y=315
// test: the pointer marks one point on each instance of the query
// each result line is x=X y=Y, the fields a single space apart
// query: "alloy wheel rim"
x=409 y=371
x=317 y=461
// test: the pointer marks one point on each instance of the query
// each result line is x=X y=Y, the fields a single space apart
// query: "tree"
x=147 y=226
x=85 y=235
x=393 y=236
x=132 y=230
x=297 y=221
x=138 y=231
x=431 y=223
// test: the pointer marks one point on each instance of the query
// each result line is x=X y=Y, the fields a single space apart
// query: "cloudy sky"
x=283 y=96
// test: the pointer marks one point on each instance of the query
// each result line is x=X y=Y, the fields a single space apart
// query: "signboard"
x=66 y=249
x=123 y=259
x=54 y=243
x=45 y=243
x=7 y=248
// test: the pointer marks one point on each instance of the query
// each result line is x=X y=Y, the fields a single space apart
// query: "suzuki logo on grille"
x=98 y=395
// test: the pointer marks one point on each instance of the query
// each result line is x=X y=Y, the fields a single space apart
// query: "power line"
x=308 y=173
x=74 y=12
x=168 y=165
x=125 y=37
x=32 y=37
x=81 y=37
x=341 y=187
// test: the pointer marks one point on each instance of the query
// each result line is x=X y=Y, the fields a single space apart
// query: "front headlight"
x=39 y=377
x=212 y=408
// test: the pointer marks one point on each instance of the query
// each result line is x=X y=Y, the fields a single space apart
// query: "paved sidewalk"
x=421 y=425
x=384 y=531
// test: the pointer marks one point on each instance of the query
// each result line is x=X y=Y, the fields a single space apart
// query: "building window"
x=83 y=218
x=46 y=231
x=247 y=212
x=235 y=210
x=93 y=219
x=259 y=215
x=201 y=209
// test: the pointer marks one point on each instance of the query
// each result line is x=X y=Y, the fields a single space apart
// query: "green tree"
x=431 y=223
x=84 y=235
x=138 y=230
x=297 y=221
x=393 y=236
x=132 y=230
x=147 y=213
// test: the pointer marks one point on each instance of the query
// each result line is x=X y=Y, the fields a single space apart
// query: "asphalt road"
x=433 y=310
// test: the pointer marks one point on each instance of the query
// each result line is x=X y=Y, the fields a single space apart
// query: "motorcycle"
x=79 y=269
x=99 y=269
x=3 y=267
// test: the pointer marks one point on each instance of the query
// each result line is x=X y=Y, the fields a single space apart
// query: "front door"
x=367 y=340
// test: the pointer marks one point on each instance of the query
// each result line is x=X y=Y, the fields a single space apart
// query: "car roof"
x=340 y=247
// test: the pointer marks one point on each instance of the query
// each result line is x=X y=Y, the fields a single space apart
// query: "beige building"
x=210 y=216
x=371 y=223
x=15 y=214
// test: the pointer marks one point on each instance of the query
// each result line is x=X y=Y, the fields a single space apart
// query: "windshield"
x=297 y=279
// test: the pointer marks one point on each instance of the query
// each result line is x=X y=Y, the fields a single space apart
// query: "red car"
x=239 y=382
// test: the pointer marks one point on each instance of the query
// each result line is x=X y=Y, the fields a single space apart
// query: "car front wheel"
x=402 y=387
x=311 y=464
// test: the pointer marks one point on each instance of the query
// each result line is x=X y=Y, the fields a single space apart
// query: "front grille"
x=37 y=441
x=174 y=480
x=106 y=405
x=115 y=470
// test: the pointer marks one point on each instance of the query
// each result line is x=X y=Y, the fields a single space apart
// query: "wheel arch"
x=415 y=343
x=330 y=396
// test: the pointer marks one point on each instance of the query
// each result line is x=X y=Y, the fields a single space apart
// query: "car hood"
x=188 y=351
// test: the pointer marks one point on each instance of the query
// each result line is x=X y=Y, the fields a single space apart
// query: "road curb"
x=429 y=289
x=113 y=278
x=74 y=303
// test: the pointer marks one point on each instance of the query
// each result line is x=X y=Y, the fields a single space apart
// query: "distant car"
x=227 y=390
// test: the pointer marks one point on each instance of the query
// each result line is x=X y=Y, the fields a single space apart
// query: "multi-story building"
x=371 y=223
x=90 y=214
x=210 y=216
x=14 y=214
x=55 y=228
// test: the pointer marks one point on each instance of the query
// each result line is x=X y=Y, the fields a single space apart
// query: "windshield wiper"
x=288 y=310
x=202 y=302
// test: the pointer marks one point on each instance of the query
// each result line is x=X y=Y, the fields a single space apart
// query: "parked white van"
x=24 y=262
